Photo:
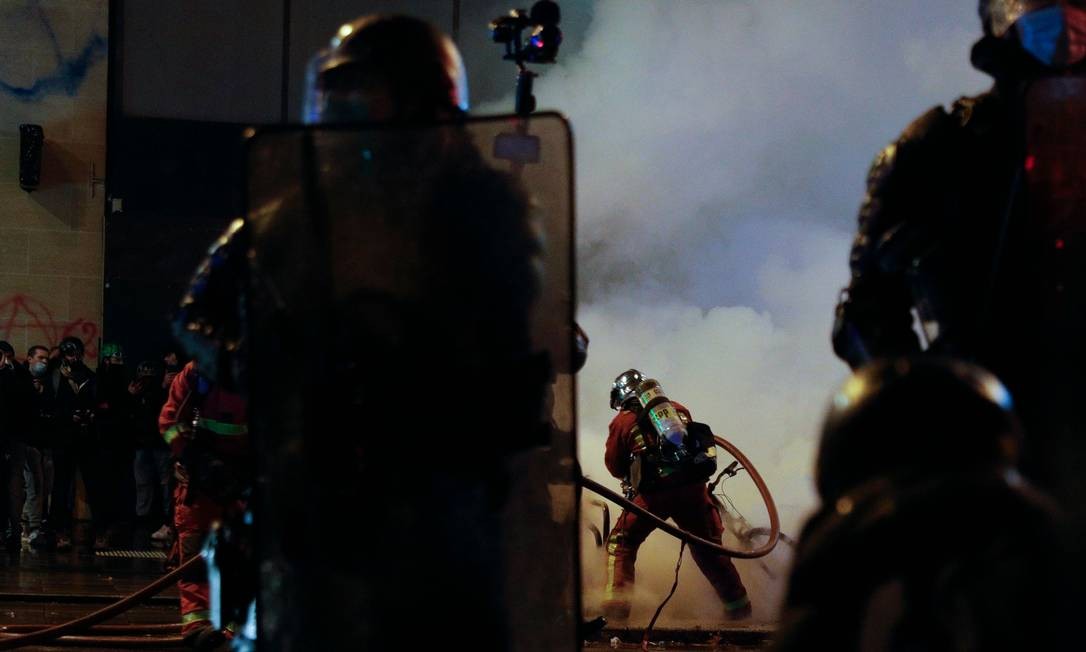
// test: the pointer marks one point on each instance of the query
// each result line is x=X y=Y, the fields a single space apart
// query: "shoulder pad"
x=923 y=131
x=209 y=320
x=897 y=176
x=926 y=126
x=979 y=114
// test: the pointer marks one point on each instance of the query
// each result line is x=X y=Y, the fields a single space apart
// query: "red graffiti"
x=42 y=328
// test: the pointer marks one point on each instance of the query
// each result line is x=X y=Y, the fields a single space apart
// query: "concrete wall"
x=53 y=73
x=216 y=60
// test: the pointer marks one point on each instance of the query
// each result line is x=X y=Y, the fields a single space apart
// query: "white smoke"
x=721 y=154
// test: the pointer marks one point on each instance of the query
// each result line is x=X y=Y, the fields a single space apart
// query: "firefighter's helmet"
x=625 y=387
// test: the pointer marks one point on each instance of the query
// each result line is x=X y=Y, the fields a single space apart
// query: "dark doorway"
x=174 y=186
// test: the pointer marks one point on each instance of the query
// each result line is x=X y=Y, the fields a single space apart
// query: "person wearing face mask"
x=115 y=451
x=15 y=424
x=39 y=454
x=972 y=223
x=152 y=467
x=75 y=443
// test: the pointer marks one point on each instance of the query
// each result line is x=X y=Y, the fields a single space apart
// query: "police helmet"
x=912 y=417
x=386 y=68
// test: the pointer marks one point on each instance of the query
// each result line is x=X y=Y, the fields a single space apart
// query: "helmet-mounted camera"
x=541 y=45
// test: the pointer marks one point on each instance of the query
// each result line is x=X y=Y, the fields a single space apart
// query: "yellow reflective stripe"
x=639 y=441
x=172 y=433
x=609 y=590
x=222 y=428
x=195 y=616
x=612 y=547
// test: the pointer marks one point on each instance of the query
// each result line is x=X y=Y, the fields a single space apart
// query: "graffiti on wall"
x=20 y=310
x=70 y=71
x=51 y=52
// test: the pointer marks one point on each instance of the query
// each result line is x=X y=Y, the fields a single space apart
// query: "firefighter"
x=670 y=486
x=206 y=430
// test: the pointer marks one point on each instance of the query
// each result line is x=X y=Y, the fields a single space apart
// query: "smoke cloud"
x=721 y=154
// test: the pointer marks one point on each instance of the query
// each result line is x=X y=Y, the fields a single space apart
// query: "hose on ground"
x=113 y=642
x=144 y=628
x=694 y=540
x=105 y=613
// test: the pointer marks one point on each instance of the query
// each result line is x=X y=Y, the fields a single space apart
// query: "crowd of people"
x=64 y=423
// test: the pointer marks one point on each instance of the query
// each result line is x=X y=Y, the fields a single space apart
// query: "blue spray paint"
x=69 y=74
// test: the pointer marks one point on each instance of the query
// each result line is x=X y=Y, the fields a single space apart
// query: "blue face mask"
x=38 y=369
x=1055 y=36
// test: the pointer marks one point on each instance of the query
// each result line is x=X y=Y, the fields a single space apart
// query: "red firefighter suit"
x=200 y=415
x=692 y=509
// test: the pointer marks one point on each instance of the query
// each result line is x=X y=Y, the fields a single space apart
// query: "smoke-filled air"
x=722 y=149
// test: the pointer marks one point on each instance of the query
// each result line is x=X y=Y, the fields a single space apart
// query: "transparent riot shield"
x=412 y=399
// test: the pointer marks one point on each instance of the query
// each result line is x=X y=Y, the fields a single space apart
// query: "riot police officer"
x=927 y=537
x=395 y=259
x=971 y=223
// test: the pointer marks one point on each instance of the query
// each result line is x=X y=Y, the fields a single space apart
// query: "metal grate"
x=131 y=554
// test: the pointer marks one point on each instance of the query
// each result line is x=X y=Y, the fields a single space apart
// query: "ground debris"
x=738 y=638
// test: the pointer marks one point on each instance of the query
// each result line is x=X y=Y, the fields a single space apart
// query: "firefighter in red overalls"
x=670 y=485
x=205 y=427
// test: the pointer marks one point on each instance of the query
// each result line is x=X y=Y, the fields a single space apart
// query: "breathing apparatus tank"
x=665 y=419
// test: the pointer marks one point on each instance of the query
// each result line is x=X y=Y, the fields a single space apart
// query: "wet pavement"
x=49 y=587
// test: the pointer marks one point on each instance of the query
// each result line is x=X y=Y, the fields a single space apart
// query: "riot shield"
x=412 y=399
x=1056 y=182
x=1048 y=396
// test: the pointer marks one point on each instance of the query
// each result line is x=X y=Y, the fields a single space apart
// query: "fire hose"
x=62 y=633
x=134 y=636
x=11 y=636
x=683 y=535
x=688 y=538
